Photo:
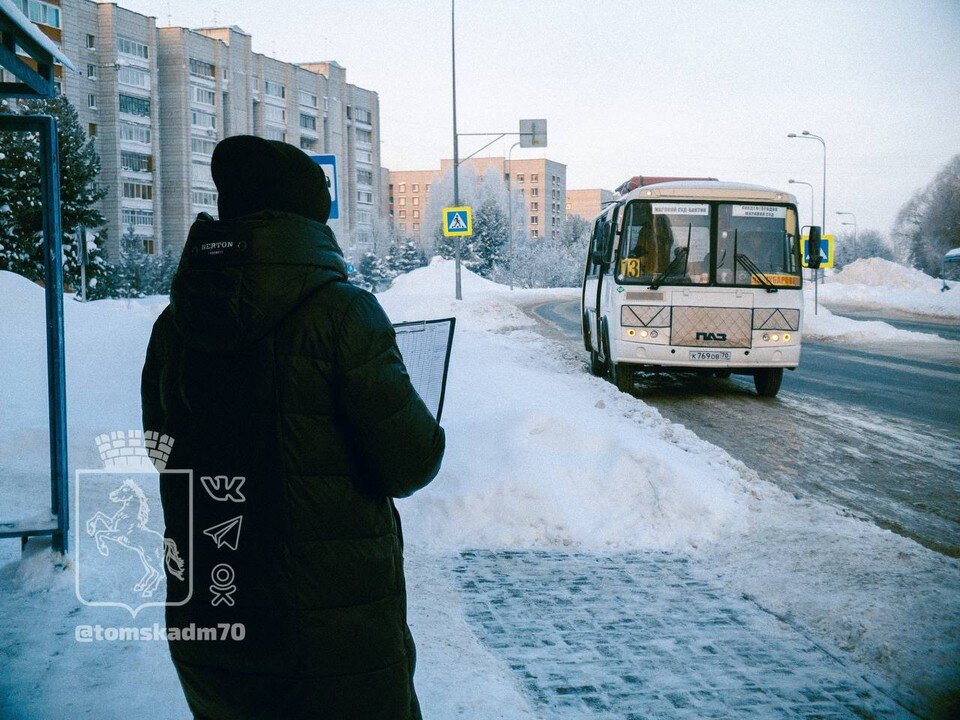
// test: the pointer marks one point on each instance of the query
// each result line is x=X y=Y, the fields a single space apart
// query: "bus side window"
x=593 y=269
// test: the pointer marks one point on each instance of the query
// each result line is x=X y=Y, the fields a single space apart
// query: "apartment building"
x=541 y=183
x=587 y=202
x=157 y=100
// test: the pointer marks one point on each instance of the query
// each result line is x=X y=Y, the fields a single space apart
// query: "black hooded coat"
x=269 y=366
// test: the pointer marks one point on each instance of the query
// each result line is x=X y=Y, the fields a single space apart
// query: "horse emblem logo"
x=124 y=557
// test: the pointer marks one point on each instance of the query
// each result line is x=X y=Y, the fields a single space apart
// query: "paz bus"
x=695 y=275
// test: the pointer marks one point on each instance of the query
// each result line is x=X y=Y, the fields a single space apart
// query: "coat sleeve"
x=150 y=400
x=397 y=441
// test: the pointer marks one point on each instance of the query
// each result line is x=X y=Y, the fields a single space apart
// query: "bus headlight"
x=644 y=333
x=774 y=337
x=786 y=337
x=766 y=337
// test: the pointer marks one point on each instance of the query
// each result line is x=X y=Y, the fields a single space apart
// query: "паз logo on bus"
x=719 y=337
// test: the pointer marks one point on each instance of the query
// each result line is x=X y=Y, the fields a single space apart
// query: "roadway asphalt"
x=874 y=429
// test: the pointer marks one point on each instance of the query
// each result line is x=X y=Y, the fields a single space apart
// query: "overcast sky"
x=668 y=88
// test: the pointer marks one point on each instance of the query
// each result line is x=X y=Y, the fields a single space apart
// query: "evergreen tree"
x=137 y=273
x=372 y=274
x=488 y=244
x=403 y=257
x=20 y=200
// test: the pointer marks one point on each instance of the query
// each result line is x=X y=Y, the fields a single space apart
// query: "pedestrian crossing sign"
x=827 y=246
x=457 y=221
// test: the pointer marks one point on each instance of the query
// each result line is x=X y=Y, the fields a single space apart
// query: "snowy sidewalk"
x=644 y=635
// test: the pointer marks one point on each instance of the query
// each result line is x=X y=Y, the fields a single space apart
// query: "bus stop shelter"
x=30 y=56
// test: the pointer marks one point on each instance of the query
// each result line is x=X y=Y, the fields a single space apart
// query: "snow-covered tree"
x=490 y=236
x=868 y=244
x=372 y=273
x=404 y=256
x=136 y=273
x=20 y=200
x=929 y=223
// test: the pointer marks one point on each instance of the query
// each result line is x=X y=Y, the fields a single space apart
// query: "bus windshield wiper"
x=674 y=265
x=752 y=268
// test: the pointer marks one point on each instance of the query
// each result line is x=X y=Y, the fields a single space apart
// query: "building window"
x=275 y=114
x=207 y=198
x=364 y=136
x=416 y=214
x=402 y=188
x=365 y=177
x=308 y=99
x=519 y=177
x=137 y=217
x=274 y=133
x=135 y=105
x=415 y=187
x=202 y=69
x=534 y=219
x=132 y=48
x=416 y=227
x=403 y=227
x=364 y=197
x=535 y=233
x=534 y=177
x=403 y=201
x=136 y=162
x=202 y=95
x=92 y=101
x=149 y=246
x=308 y=143
x=534 y=192
x=91 y=71
x=416 y=201
x=133 y=76
x=137 y=191
x=92 y=130
x=428 y=187
x=308 y=122
x=403 y=213
x=534 y=206
x=274 y=89
x=202 y=146
x=200 y=173
x=135 y=133
x=91 y=42
x=40 y=12
x=362 y=115
x=201 y=119
x=364 y=156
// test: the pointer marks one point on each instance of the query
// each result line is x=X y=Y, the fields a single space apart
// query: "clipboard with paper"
x=425 y=346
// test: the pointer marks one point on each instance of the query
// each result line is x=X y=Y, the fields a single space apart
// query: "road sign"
x=328 y=163
x=458 y=221
x=533 y=133
x=826 y=251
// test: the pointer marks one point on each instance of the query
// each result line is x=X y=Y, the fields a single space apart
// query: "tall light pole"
x=807 y=135
x=456 y=144
x=510 y=208
x=809 y=185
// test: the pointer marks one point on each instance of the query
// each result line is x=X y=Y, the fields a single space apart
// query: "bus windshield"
x=757 y=245
x=667 y=242
x=670 y=243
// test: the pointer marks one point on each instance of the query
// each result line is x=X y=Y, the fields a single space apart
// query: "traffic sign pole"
x=456 y=146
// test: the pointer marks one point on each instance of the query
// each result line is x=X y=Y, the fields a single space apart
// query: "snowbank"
x=824 y=326
x=876 y=284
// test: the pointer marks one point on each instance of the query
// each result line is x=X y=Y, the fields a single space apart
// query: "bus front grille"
x=711 y=327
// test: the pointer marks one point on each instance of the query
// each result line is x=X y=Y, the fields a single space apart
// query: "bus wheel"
x=767 y=381
x=597 y=366
x=623 y=377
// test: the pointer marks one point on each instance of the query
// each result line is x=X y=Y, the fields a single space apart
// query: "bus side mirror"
x=601 y=250
x=813 y=248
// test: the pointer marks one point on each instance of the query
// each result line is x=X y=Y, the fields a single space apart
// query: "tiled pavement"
x=644 y=635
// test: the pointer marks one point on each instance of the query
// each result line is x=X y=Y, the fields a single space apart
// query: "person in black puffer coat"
x=269 y=366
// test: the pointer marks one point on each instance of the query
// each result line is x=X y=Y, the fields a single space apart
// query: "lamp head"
x=792 y=135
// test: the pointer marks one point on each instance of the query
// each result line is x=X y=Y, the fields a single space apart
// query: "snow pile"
x=535 y=457
x=824 y=326
x=877 y=284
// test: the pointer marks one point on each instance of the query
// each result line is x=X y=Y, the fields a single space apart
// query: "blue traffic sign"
x=328 y=164
x=458 y=221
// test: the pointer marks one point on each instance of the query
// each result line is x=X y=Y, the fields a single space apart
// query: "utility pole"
x=510 y=208
x=456 y=143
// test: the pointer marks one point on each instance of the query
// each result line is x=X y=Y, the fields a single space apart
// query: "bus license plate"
x=709 y=356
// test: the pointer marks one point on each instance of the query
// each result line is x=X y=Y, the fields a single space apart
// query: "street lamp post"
x=510 y=208
x=812 y=202
x=807 y=135
x=456 y=144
